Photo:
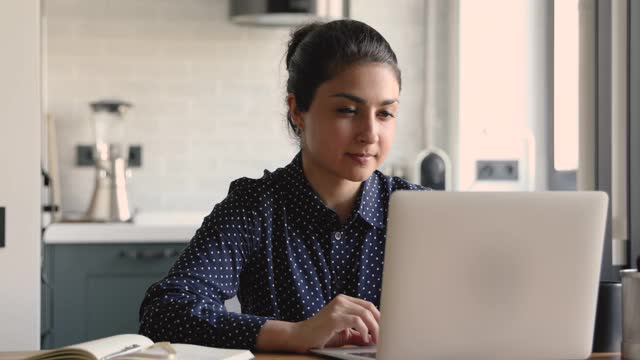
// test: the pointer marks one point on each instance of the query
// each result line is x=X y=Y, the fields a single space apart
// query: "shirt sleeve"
x=187 y=306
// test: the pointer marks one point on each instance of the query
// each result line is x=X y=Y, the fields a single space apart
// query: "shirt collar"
x=371 y=205
x=368 y=206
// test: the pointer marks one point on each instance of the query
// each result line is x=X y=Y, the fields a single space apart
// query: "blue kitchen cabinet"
x=95 y=290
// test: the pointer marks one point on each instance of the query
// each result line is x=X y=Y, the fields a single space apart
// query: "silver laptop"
x=489 y=275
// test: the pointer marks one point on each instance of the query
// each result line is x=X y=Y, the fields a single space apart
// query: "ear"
x=296 y=114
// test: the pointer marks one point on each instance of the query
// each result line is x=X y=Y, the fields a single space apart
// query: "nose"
x=368 y=131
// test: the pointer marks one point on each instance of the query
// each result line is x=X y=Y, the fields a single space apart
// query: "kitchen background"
x=209 y=107
x=208 y=94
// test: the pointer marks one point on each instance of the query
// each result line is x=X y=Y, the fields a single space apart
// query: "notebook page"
x=109 y=345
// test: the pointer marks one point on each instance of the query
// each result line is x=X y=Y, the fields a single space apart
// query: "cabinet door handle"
x=148 y=254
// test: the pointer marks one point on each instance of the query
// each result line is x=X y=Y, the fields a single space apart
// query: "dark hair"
x=319 y=51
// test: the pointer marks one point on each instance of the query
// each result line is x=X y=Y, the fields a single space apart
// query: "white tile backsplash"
x=208 y=95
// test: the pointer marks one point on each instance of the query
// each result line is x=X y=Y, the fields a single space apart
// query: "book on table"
x=139 y=347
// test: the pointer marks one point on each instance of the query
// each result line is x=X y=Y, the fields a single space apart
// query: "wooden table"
x=19 y=355
x=261 y=356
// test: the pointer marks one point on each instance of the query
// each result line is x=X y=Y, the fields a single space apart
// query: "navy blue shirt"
x=274 y=244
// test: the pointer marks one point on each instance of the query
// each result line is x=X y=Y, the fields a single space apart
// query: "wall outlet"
x=497 y=170
x=84 y=155
x=2 y=228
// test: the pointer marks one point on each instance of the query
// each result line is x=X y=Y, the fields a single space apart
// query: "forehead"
x=370 y=81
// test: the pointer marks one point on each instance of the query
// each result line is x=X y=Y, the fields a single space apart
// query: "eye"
x=348 y=111
x=385 y=114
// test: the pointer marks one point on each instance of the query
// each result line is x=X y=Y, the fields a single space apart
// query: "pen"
x=126 y=350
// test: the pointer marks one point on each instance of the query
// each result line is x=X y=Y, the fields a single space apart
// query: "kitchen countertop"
x=147 y=227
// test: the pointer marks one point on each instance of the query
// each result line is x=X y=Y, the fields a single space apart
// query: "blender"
x=109 y=202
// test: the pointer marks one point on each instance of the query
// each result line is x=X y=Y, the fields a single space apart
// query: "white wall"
x=208 y=94
x=502 y=90
x=20 y=174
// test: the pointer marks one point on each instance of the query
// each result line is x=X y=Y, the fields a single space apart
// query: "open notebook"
x=138 y=347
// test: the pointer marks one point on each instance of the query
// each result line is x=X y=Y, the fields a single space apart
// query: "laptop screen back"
x=491 y=275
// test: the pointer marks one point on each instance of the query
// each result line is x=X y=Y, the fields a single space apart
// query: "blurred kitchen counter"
x=157 y=227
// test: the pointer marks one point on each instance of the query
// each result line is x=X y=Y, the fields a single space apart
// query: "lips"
x=361 y=158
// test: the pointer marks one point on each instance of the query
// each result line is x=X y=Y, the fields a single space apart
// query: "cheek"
x=387 y=134
x=343 y=131
x=333 y=132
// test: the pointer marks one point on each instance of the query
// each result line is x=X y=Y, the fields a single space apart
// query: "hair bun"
x=297 y=36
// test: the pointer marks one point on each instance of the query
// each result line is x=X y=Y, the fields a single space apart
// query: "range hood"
x=286 y=12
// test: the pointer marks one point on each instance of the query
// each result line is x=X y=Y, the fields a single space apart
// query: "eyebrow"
x=360 y=100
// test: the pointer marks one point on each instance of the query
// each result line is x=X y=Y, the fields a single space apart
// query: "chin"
x=358 y=174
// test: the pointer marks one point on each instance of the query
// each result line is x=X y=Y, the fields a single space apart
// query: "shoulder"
x=251 y=193
x=248 y=203
x=248 y=188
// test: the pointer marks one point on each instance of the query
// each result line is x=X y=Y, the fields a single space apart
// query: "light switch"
x=84 y=155
x=135 y=156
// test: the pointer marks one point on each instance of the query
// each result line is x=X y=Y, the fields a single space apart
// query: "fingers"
x=361 y=310
x=367 y=305
x=355 y=338
x=333 y=325
x=354 y=321
x=367 y=317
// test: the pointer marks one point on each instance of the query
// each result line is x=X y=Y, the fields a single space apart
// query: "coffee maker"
x=109 y=202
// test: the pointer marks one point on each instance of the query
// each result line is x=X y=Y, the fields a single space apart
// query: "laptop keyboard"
x=371 y=355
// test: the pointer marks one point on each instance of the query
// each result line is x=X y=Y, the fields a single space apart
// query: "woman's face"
x=349 y=127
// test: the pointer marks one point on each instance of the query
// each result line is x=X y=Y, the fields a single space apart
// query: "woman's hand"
x=334 y=325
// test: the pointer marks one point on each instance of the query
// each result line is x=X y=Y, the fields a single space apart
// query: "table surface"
x=263 y=356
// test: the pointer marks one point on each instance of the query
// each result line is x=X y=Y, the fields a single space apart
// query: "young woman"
x=303 y=246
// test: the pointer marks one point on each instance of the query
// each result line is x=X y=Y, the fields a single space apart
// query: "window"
x=565 y=85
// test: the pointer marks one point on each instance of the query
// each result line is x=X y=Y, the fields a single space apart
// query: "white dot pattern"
x=285 y=254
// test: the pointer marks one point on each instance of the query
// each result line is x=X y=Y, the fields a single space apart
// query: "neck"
x=336 y=193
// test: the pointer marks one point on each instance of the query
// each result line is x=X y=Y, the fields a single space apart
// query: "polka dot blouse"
x=274 y=244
